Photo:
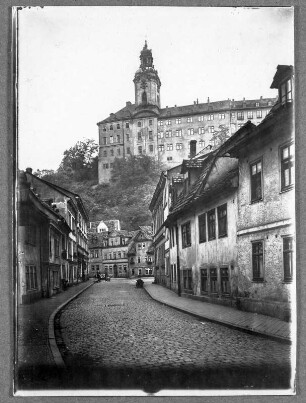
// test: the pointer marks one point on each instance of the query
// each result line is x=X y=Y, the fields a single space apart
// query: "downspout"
x=178 y=263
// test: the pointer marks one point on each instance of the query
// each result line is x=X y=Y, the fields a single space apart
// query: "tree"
x=82 y=159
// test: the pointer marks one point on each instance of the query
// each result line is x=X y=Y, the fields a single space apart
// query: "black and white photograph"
x=155 y=242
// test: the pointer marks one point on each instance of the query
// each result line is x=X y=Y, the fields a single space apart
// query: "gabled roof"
x=284 y=72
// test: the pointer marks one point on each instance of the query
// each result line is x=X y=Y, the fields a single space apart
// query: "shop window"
x=31 y=278
x=288 y=258
x=187 y=279
x=257 y=261
x=225 y=288
x=204 y=281
x=213 y=281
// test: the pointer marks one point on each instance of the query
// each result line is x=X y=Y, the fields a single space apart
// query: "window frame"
x=289 y=251
x=186 y=234
x=254 y=198
x=260 y=278
x=211 y=236
x=290 y=162
x=202 y=224
x=219 y=211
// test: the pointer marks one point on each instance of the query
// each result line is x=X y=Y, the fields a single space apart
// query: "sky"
x=76 y=64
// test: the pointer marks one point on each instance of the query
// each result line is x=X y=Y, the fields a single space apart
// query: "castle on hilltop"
x=167 y=133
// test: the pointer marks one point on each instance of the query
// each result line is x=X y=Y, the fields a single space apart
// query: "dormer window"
x=285 y=92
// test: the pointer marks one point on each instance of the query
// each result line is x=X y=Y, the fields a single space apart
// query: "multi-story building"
x=141 y=253
x=231 y=216
x=265 y=225
x=71 y=208
x=165 y=133
x=108 y=246
x=42 y=235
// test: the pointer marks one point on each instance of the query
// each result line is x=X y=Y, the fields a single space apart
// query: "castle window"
x=179 y=146
x=139 y=124
x=190 y=132
x=250 y=114
x=221 y=115
x=189 y=119
x=111 y=127
x=210 y=117
x=151 y=148
x=259 y=114
x=211 y=129
x=139 y=150
x=161 y=147
x=201 y=130
x=201 y=118
x=178 y=133
x=118 y=126
x=160 y=123
x=150 y=135
x=127 y=125
x=169 y=147
x=168 y=122
x=178 y=121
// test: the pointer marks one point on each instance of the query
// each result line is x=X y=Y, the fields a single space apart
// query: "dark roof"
x=283 y=72
x=130 y=109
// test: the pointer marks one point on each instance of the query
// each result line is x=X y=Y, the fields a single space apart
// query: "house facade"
x=231 y=215
x=141 y=253
x=265 y=226
x=42 y=235
x=165 y=133
x=71 y=208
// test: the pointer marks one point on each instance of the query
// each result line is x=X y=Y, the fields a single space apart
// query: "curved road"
x=116 y=336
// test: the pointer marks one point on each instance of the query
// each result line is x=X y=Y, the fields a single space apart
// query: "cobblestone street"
x=118 y=336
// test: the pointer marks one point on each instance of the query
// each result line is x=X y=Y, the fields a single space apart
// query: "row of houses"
x=120 y=253
x=52 y=248
x=223 y=220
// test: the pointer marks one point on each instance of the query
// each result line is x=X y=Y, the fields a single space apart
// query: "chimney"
x=197 y=101
x=194 y=102
x=208 y=100
x=29 y=170
x=175 y=106
x=128 y=103
x=193 y=148
x=261 y=97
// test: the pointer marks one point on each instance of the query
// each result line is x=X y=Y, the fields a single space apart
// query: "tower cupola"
x=147 y=82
